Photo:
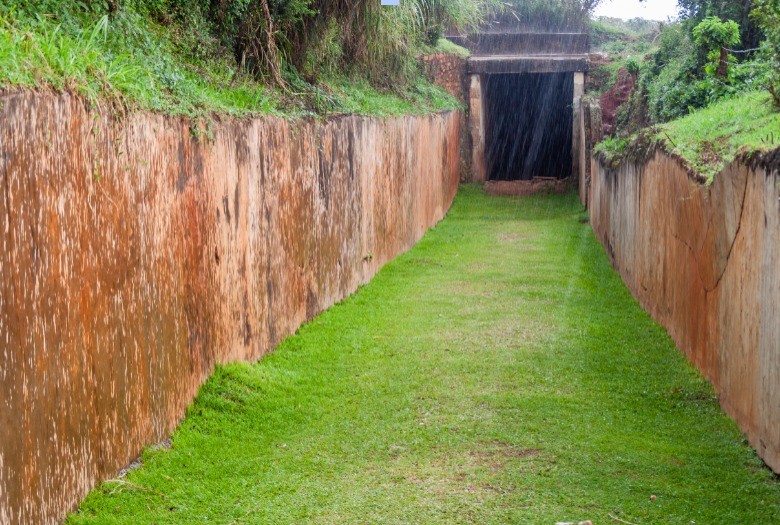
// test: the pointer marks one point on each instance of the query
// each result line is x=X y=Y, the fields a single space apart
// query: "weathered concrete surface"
x=448 y=71
x=522 y=53
x=705 y=263
x=134 y=256
x=578 y=154
x=477 y=129
x=522 y=64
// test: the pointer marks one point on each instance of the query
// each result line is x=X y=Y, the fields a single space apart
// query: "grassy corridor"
x=500 y=372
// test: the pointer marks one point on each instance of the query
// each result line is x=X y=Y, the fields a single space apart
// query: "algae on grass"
x=499 y=372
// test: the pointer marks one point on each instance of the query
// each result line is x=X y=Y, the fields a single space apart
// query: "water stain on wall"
x=704 y=261
x=134 y=256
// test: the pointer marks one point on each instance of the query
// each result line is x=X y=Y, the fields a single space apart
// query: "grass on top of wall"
x=447 y=46
x=710 y=138
x=131 y=59
x=498 y=373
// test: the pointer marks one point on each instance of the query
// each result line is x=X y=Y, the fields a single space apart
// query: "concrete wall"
x=705 y=263
x=448 y=71
x=578 y=143
x=477 y=129
x=135 y=256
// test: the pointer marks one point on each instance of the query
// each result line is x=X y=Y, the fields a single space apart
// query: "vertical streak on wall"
x=591 y=131
x=705 y=263
x=578 y=136
x=134 y=256
x=477 y=129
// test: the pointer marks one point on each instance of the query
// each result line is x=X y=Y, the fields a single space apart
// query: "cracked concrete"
x=705 y=263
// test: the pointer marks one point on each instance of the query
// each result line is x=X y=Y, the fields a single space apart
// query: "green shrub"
x=288 y=43
x=713 y=36
x=693 y=70
x=550 y=15
x=603 y=34
x=157 y=55
x=675 y=91
x=633 y=66
x=767 y=14
x=694 y=11
x=670 y=80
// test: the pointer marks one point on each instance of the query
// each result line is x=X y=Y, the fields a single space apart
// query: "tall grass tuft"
x=195 y=56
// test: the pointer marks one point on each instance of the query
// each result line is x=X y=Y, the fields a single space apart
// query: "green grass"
x=710 y=138
x=622 y=55
x=500 y=372
x=132 y=59
x=625 y=49
x=359 y=97
x=446 y=46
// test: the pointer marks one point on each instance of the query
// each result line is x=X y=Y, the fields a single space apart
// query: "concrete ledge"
x=528 y=64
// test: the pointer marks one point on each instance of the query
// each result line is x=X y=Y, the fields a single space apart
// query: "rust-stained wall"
x=449 y=72
x=134 y=256
x=705 y=263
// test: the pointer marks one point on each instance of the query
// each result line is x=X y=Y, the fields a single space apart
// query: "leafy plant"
x=767 y=15
x=694 y=11
x=633 y=66
x=176 y=57
x=714 y=37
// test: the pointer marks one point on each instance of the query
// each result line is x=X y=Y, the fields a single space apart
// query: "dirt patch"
x=514 y=237
x=496 y=450
x=523 y=188
x=611 y=101
x=496 y=456
x=472 y=289
x=710 y=153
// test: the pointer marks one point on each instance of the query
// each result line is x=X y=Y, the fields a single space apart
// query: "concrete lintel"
x=528 y=64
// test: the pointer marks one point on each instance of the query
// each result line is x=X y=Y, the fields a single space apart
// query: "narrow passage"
x=500 y=372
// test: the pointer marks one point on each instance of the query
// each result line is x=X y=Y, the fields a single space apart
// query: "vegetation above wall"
x=241 y=57
x=708 y=139
x=705 y=89
x=622 y=45
x=245 y=57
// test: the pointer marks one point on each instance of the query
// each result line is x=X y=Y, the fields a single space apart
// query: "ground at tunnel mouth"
x=499 y=372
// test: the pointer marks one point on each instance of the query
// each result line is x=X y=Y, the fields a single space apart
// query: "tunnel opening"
x=529 y=126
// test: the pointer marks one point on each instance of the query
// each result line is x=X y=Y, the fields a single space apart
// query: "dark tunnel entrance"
x=529 y=125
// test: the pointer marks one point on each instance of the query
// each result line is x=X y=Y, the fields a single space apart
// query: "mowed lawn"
x=500 y=372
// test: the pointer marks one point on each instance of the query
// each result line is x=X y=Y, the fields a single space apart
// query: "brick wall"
x=450 y=72
x=447 y=71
